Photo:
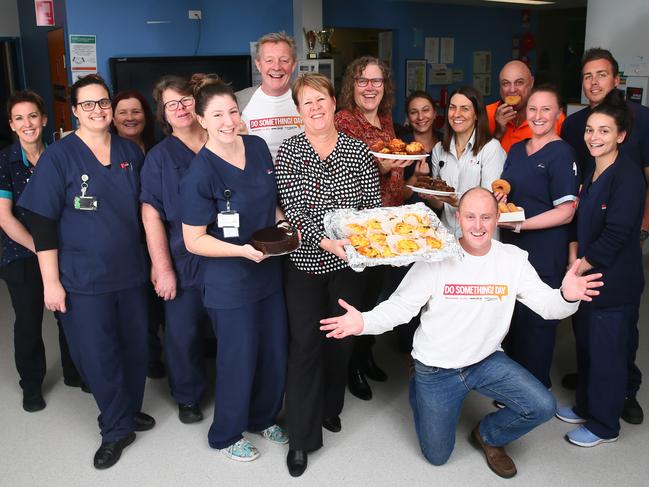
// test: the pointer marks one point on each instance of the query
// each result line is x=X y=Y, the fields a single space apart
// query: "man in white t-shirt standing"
x=268 y=110
x=467 y=307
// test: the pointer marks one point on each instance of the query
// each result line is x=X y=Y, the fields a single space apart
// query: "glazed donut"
x=501 y=186
x=502 y=207
x=512 y=207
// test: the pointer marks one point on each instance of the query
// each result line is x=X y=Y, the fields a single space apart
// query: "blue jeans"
x=436 y=397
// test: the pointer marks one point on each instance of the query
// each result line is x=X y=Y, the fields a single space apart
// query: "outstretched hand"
x=351 y=323
x=582 y=288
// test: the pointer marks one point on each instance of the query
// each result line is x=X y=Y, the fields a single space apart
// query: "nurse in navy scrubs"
x=611 y=204
x=542 y=172
x=83 y=199
x=19 y=265
x=228 y=193
x=174 y=271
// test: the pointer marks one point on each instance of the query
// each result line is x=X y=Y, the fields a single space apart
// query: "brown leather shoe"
x=497 y=457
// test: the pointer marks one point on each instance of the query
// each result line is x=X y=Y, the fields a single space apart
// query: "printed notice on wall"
x=447 y=50
x=83 y=55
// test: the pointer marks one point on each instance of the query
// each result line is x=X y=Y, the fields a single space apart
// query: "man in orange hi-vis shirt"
x=507 y=120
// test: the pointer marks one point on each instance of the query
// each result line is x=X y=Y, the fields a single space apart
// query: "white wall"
x=620 y=27
x=9 y=19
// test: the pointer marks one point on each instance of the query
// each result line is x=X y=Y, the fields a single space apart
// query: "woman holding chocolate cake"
x=319 y=171
x=466 y=156
x=229 y=192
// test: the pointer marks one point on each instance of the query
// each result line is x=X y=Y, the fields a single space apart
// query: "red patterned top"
x=356 y=125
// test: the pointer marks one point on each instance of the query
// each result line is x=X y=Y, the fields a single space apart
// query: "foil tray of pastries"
x=398 y=149
x=394 y=236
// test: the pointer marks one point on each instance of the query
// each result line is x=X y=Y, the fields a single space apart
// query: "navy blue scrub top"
x=540 y=182
x=99 y=251
x=608 y=224
x=233 y=282
x=635 y=147
x=164 y=166
x=15 y=171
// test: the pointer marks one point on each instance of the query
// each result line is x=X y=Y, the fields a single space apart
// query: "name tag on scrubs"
x=229 y=222
x=87 y=203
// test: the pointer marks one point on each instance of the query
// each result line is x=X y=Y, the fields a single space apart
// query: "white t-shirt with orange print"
x=467 y=305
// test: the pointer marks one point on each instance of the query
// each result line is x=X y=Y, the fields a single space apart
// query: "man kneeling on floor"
x=467 y=306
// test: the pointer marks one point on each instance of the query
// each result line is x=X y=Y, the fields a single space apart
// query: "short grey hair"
x=276 y=37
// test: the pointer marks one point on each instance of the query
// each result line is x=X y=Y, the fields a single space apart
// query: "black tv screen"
x=142 y=73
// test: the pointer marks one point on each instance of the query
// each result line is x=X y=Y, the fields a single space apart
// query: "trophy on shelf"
x=310 y=37
x=324 y=38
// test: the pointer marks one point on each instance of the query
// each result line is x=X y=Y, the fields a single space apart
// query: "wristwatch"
x=643 y=234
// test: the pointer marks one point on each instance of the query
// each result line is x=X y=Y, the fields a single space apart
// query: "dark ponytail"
x=616 y=107
x=207 y=86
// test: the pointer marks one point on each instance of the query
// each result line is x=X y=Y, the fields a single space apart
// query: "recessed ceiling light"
x=523 y=2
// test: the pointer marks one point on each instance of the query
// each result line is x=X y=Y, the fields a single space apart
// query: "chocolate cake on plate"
x=276 y=240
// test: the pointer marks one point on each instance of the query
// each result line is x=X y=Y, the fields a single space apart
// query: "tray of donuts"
x=399 y=150
x=509 y=212
x=394 y=236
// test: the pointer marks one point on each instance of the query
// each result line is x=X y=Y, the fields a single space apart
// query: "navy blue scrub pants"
x=603 y=336
x=107 y=335
x=634 y=375
x=185 y=317
x=251 y=359
x=530 y=340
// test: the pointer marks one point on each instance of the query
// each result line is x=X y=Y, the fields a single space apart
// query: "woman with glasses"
x=466 y=156
x=19 y=265
x=365 y=103
x=174 y=271
x=542 y=171
x=84 y=216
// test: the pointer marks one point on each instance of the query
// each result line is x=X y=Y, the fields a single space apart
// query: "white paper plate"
x=431 y=191
x=400 y=157
x=512 y=216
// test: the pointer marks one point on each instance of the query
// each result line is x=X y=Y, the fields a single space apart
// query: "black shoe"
x=76 y=382
x=33 y=402
x=72 y=381
x=156 y=370
x=296 y=461
x=632 y=412
x=109 y=453
x=569 y=381
x=143 y=422
x=332 y=424
x=372 y=371
x=189 y=413
x=358 y=386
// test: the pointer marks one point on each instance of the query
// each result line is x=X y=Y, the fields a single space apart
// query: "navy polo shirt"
x=635 y=146
x=99 y=251
x=540 y=182
x=15 y=171
x=233 y=282
x=608 y=222
x=164 y=167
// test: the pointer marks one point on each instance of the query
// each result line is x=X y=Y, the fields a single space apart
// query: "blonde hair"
x=317 y=81
x=276 y=37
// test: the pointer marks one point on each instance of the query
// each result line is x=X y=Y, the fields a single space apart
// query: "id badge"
x=229 y=222
x=86 y=203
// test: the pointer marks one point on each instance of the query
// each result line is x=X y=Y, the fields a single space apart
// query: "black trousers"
x=25 y=286
x=317 y=366
x=374 y=280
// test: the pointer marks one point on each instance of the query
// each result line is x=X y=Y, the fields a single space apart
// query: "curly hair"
x=354 y=70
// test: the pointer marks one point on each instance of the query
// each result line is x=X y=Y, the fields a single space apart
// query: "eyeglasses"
x=376 y=82
x=173 y=105
x=89 y=105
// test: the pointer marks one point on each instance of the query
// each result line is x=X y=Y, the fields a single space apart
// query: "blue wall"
x=474 y=29
x=227 y=27
x=35 y=64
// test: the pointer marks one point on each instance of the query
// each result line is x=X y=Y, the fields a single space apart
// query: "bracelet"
x=517 y=228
